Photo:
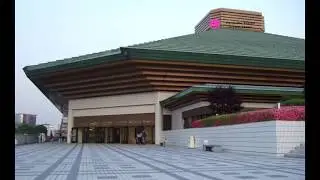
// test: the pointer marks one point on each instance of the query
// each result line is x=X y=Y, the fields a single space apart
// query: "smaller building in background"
x=233 y=19
x=21 y=118
x=64 y=127
x=49 y=127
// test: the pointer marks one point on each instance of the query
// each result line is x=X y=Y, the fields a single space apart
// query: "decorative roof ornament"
x=215 y=23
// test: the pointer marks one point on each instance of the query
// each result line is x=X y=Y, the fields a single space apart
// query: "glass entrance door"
x=99 y=133
x=85 y=136
x=124 y=135
x=116 y=135
x=149 y=133
x=110 y=135
x=74 y=135
x=92 y=135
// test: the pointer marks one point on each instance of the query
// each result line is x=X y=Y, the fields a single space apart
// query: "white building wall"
x=258 y=105
x=176 y=115
x=134 y=109
x=268 y=138
x=119 y=104
x=159 y=114
x=126 y=100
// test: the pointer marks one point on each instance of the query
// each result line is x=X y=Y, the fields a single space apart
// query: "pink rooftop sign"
x=214 y=23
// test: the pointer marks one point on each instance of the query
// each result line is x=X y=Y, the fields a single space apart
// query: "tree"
x=41 y=129
x=25 y=129
x=224 y=100
x=30 y=129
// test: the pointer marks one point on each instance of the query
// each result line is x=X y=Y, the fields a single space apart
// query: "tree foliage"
x=29 y=129
x=224 y=100
x=294 y=102
x=41 y=129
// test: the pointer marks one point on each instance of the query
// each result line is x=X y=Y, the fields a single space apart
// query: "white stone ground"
x=149 y=162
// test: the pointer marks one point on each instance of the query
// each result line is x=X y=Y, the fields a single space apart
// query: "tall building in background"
x=64 y=127
x=21 y=118
x=233 y=19
x=49 y=127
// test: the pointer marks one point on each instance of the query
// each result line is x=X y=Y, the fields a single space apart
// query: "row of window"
x=189 y=120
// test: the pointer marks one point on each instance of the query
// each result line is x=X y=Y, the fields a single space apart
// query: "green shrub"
x=293 y=102
x=212 y=120
x=289 y=113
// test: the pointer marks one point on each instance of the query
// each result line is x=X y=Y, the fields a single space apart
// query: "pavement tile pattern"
x=147 y=162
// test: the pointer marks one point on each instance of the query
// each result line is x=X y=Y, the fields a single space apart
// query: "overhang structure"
x=174 y=64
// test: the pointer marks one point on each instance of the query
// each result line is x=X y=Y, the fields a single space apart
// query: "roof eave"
x=195 y=89
x=89 y=61
x=215 y=58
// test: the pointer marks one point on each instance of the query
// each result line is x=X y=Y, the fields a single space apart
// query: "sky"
x=52 y=30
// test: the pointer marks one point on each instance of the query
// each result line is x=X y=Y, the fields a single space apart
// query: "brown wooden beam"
x=172 y=62
x=91 y=80
x=218 y=81
x=86 y=70
x=126 y=80
x=170 y=75
x=100 y=94
x=95 y=74
x=108 y=89
x=217 y=71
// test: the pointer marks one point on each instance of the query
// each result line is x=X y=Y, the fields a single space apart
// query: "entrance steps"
x=297 y=152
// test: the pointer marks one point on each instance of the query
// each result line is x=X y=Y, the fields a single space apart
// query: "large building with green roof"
x=161 y=85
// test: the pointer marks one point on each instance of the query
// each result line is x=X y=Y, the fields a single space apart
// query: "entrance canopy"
x=123 y=120
x=249 y=93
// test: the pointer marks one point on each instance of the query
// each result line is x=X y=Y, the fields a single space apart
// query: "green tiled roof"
x=233 y=42
x=221 y=46
x=248 y=89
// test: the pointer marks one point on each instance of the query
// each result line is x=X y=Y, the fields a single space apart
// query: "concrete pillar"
x=158 y=120
x=70 y=125
x=80 y=131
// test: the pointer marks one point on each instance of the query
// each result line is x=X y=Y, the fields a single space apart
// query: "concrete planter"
x=274 y=138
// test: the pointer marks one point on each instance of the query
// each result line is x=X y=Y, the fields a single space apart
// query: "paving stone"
x=141 y=176
x=276 y=176
x=107 y=177
x=246 y=177
x=257 y=172
x=230 y=173
x=104 y=161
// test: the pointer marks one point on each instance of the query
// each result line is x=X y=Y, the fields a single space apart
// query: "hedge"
x=288 y=113
x=293 y=102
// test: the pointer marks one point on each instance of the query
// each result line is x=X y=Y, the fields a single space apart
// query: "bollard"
x=192 y=142
x=278 y=105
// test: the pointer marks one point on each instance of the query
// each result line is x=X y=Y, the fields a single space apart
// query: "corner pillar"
x=158 y=120
x=70 y=125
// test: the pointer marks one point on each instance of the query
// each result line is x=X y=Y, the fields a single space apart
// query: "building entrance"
x=93 y=135
x=117 y=135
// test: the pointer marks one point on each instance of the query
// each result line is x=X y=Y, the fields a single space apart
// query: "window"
x=185 y=123
x=166 y=122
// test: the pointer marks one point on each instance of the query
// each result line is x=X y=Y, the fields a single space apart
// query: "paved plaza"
x=149 y=162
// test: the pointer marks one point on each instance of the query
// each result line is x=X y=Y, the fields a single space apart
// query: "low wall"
x=289 y=135
x=268 y=138
x=25 y=139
